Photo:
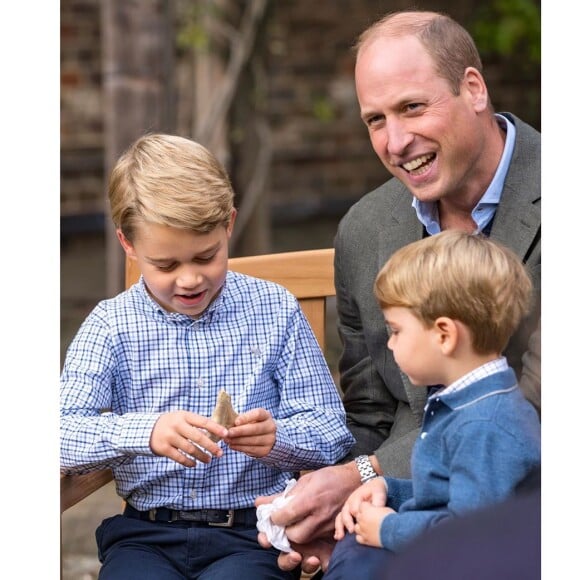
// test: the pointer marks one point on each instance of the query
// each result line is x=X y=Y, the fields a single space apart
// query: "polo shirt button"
x=423 y=435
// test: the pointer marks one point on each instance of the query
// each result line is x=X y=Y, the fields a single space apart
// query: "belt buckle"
x=227 y=524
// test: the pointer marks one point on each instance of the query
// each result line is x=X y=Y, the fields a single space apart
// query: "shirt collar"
x=485 y=370
x=176 y=317
x=484 y=211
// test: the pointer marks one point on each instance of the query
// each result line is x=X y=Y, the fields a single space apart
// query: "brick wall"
x=322 y=157
x=81 y=108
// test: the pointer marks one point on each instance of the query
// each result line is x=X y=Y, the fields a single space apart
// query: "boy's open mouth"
x=191 y=299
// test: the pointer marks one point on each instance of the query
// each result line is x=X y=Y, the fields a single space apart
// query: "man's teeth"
x=411 y=165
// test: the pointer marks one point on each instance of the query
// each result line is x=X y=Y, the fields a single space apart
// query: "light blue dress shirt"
x=484 y=211
x=132 y=361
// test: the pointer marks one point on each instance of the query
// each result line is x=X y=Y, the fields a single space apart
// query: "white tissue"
x=276 y=534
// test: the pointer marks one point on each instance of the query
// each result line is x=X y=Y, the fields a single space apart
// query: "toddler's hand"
x=253 y=433
x=373 y=492
x=179 y=435
x=368 y=524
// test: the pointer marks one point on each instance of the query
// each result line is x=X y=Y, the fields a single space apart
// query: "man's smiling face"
x=426 y=136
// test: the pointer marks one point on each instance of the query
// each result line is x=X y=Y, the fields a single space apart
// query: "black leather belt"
x=215 y=518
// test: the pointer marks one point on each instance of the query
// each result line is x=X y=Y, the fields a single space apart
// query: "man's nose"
x=398 y=136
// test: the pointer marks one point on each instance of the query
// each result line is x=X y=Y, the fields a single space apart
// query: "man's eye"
x=373 y=120
x=413 y=107
x=205 y=259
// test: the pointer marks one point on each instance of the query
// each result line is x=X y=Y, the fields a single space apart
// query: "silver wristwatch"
x=365 y=468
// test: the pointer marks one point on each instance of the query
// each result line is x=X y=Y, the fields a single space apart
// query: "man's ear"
x=127 y=246
x=477 y=89
x=446 y=332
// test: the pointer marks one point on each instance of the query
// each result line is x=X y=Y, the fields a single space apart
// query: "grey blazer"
x=384 y=410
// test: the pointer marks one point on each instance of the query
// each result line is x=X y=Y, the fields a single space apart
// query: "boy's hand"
x=373 y=492
x=368 y=524
x=253 y=433
x=181 y=432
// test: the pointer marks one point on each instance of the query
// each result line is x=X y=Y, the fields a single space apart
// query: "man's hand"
x=311 y=556
x=317 y=498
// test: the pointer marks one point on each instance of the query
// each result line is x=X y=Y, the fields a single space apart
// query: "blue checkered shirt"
x=132 y=361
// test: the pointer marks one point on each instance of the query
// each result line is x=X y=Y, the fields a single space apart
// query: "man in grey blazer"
x=384 y=410
x=454 y=164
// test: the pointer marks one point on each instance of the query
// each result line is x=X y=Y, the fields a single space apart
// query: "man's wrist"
x=365 y=468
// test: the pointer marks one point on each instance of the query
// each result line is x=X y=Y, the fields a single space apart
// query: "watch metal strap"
x=365 y=468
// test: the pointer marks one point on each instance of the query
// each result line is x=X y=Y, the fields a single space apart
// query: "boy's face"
x=184 y=271
x=415 y=348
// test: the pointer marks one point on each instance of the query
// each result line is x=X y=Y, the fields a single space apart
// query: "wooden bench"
x=308 y=274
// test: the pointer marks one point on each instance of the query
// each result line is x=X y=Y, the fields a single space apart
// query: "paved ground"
x=82 y=286
x=79 y=552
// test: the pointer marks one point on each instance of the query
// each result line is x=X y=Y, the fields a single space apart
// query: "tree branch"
x=240 y=53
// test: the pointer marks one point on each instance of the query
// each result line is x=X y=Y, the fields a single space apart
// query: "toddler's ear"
x=127 y=246
x=446 y=331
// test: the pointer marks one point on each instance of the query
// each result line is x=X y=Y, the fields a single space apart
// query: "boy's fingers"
x=253 y=416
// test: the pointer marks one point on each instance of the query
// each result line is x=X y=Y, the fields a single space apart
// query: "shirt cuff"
x=132 y=433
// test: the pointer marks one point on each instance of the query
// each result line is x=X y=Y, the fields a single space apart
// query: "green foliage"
x=192 y=36
x=192 y=32
x=323 y=109
x=509 y=28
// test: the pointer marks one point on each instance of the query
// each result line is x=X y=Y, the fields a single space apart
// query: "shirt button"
x=432 y=413
x=423 y=435
x=193 y=495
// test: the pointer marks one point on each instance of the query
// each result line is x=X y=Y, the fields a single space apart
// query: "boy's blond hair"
x=171 y=181
x=466 y=277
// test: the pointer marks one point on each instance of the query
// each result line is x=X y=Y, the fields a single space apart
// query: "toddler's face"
x=184 y=271
x=415 y=347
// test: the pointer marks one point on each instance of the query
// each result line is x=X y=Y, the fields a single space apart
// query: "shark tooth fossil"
x=223 y=413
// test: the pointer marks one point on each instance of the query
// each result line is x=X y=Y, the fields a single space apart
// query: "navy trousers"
x=351 y=560
x=132 y=549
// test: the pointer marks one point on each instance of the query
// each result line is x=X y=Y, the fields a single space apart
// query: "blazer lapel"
x=518 y=217
x=517 y=222
x=402 y=226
